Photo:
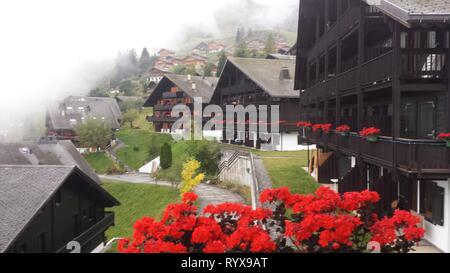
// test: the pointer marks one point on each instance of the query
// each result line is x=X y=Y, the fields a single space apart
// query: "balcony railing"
x=172 y=95
x=163 y=107
x=93 y=231
x=414 y=156
x=161 y=119
x=424 y=63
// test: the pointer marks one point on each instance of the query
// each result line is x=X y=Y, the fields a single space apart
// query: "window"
x=58 y=198
x=92 y=213
x=75 y=226
x=41 y=243
x=418 y=119
x=23 y=248
x=432 y=202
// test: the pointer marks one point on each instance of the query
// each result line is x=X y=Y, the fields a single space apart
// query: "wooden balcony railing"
x=424 y=63
x=172 y=95
x=163 y=107
x=415 y=156
x=93 y=231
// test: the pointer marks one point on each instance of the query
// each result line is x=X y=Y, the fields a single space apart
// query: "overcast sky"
x=49 y=46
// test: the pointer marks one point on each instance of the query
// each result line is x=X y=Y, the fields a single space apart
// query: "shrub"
x=320 y=222
x=190 y=175
x=166 y=156
x=207 y=152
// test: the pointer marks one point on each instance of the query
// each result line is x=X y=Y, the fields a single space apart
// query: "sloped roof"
x=204 y=87
x=26 y=189
x=61 y=152
x=105 y=109
x=278 y=56
x=266 y=74
x=409 y=11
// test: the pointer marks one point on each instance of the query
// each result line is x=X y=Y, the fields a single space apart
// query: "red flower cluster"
x=343 y=128
x=304 y=124
x=444 y=136
x=223 y=228
x=325 y=128
x=399 y=232
x=371 y=131
x=321 y=222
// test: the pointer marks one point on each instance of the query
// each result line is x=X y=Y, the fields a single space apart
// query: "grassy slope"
x=99 y=162
x=137 y=200
x=285 y=169
x=140 y=138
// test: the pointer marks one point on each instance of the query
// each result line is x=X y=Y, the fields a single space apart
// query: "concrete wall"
x=239 y=172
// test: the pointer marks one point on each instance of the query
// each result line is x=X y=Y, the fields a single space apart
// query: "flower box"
x=322 y=128
x=343 y=130
x=445 y=137
x=371 y=134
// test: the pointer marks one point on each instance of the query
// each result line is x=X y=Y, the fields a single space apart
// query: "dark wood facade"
x=358 y=66
x=76 y=212
x=175 y=90
x=237 y=88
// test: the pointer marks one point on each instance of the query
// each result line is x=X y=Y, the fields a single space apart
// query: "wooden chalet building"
x=383 y=66
x=248 y=81
x=44 y=208
x=63 y=118
x=177 y=89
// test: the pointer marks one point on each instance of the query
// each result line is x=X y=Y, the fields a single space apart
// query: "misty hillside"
x=260 y=20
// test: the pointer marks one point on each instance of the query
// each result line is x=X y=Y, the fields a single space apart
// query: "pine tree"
x=166 y=156
x=270 y=44
x=221 y=64
x=145 y=61
x=238 y=35
x=241 y=50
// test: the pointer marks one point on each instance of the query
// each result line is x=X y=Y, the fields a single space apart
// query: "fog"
x=50 y=49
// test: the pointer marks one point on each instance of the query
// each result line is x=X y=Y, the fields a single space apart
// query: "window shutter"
x=438 y=205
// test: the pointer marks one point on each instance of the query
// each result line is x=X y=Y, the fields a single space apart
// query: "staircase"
x=328 y=168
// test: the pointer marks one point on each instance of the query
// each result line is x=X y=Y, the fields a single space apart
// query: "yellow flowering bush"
x=190 y=175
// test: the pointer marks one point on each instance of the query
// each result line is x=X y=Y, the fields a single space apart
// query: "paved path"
x=261 y=174
x=208 y=194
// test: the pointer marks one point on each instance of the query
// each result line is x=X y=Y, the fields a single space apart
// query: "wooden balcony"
x=163 y=107
x=161 y=119
x=92 y=232
x=172 y=95
x=424 y=158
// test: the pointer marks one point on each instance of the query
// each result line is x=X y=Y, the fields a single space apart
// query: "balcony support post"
x=396 y=96
x=361 y=48
x=448 y=90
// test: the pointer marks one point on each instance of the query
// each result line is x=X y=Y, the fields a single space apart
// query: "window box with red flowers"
x=304 y=124
x=371 y=134
x=445 y=137
x=322 y=128
x=343 y=130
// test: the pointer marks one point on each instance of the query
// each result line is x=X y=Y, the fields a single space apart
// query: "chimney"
x=194 y=86
x=189 y=77
x=284 y=74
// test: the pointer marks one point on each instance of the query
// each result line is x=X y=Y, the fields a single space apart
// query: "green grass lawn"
x=141 y=139
x=99 y=162
x=285 y=169
x=141 y=121
x=137 y=200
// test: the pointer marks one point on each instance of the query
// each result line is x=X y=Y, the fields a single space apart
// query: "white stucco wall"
x=440 y=235
x=289 y=142
x=151 y=167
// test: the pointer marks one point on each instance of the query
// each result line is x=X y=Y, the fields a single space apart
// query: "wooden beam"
x=361 y=47
x=448 y=90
